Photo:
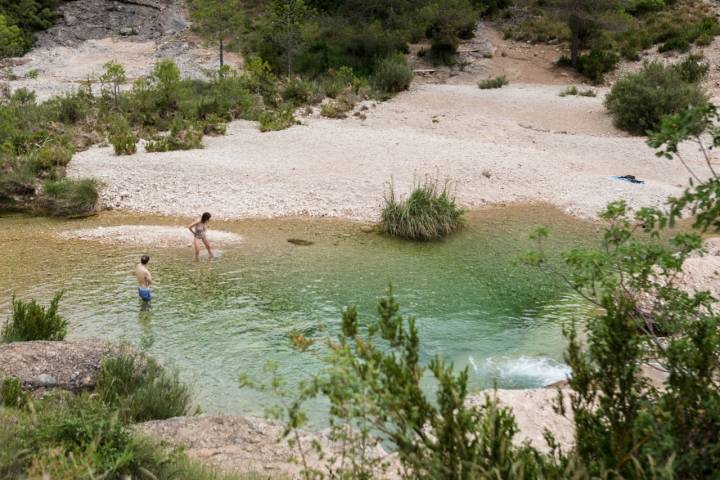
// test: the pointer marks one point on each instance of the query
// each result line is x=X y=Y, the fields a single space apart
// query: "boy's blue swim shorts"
x=145 y=294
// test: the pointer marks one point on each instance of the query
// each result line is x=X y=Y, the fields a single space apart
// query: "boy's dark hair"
x=205 y=217
x=144 y=259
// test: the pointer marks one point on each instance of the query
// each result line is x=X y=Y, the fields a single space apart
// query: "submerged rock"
x=300 y=242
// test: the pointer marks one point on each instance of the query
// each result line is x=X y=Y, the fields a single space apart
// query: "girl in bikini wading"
x=199 y=231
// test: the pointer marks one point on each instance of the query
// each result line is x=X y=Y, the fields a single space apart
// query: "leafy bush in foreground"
x=69 y=197
x=142 y=389
x=429 y=213
x=78 y=438
x=31 y=321
x=639 y=100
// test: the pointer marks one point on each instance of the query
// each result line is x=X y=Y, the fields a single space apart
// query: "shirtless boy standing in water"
x=144 y=278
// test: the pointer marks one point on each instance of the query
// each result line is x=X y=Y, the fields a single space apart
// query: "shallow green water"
x=474 y=305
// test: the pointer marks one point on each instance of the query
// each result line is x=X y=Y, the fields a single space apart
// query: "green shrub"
x=12 y=394
x=70 y=197
x=429 y=213
x=279 y=119
x=639 y=101
x=392 y=75
x=184 y=135
x=214 y=125
x=574 y=91
x=80 y=438
x=122 y=138
x=497 y=82
x=337 y=108
x=31 y=321
x=49 y=157
x=693 y=69
x=595 y=64
x=142 y=389
x=297 y=91
x=70 y=108
x=12 y=41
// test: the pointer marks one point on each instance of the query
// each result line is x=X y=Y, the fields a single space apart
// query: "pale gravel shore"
x=521 y=143
x=150 y=235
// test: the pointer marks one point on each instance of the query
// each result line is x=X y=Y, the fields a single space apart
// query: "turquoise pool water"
x=474 y=305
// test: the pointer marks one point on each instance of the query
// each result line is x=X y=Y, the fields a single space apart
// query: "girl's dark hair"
x=205 y=217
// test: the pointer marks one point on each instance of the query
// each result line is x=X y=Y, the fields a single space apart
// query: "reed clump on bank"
x=428 y=213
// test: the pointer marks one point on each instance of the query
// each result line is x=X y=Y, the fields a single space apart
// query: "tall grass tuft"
x=142 y=389
x=428 y=213
x=31 y=321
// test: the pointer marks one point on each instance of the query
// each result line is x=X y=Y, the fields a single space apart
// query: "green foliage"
x=12 y=41
x=638 y=101
x=599 y=32
x=19 y=20
x=392 y=75
x=314 y=37
x=70 y=108
x=141 y=389
x=429 y=213
x=490 y=83
x=336 y=108
x=274 y=120
x=76 y=438
x=693 y=69
x=50 y=156
x=595 y=64
x=447 y=22
x=183 y=135
x=574 y=91
x=111 y=80
x=12 y=394
x=122 y=138
x=70 y=197
x=31 y=321
x=221 y=20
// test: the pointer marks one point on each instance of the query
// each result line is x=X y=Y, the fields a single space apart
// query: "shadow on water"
x=474 y=304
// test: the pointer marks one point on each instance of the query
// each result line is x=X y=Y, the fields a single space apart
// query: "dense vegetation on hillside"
x=313 y=36
x=19 y=20
x=601 y=32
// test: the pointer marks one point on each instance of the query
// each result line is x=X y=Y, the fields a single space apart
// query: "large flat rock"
x=44 y=365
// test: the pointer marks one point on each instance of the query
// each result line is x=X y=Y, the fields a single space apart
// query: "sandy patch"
x=151 y=235
x=517 y=144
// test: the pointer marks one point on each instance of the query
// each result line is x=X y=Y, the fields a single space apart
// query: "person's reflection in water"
x=147 y=337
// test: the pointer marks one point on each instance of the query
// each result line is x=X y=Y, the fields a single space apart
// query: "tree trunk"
x=221 y=53
x=574 y=24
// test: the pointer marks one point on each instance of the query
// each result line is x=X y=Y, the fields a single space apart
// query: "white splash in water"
x=525 y=371
x=472 y=362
